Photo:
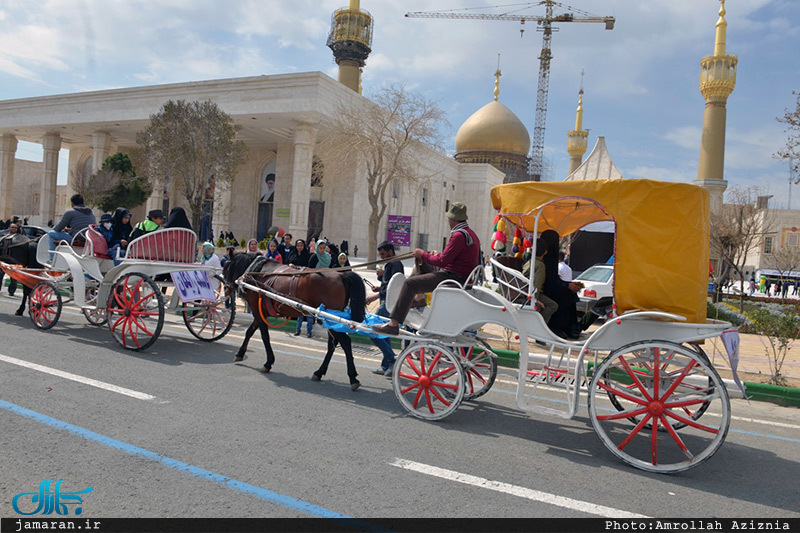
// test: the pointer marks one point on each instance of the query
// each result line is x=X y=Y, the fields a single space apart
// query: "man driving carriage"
x=456 y=262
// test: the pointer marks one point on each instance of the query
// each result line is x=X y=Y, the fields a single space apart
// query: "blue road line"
x=202 y=473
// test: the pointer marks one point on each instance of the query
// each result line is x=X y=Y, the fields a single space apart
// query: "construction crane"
x=544 y=25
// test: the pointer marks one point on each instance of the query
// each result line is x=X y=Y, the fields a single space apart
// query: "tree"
x=781 y=330
x=114 y=185
x=188 y=145
x=785 y=259
x=387 y=139
x=736 y=230
x=791 y=151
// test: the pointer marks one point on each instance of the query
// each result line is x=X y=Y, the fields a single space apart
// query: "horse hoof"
x=18 y=312
x=238 y=358
x=315 y=377
x=264 y=370
x=354 y=386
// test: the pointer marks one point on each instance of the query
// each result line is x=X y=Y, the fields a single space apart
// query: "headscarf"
x=299 y=258
x=208 y=250
x=248 y=247
x=339 y=260
x=324 y=258
x=178 y=219
x=276 y=255
x=120 y=231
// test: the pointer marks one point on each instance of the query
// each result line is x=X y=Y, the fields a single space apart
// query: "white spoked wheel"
x=210 y=321
x=44 y=305
x=428 y=381
x=97 y=316
x=135 y=311
x=660 y=386
x=480 y=370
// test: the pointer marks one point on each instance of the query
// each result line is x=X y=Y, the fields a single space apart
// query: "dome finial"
x=497 y=79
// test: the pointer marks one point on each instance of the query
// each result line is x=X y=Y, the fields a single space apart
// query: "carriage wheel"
x=210 y=321
x=44 y=305
x=645 y=374
x=428 y=381
x=479 y=372
x=98 y=315
x=667 y=380
x=135 y=311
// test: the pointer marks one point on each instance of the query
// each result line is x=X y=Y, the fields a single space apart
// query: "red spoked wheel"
x=210 y=321
x=660 y=386
x=480 y=370
x=135 y=311
x=428 y=381
x=44 y=305
x=645 y=373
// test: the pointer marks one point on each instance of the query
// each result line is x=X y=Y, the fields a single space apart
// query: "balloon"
x=515 y=249
x=518 y=233
x=280 y=233
x=517 y=241
x=518 y=254
x=527 y=243
x=273 y=230
x=501 y=225
x=496 y=218
x=500 y=236
x=498 y=246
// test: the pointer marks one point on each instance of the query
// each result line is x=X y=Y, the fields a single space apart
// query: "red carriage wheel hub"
x=127 y=312
x=656 y=408
x=425 y=382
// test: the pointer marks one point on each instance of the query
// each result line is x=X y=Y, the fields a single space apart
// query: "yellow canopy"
x=661 y=248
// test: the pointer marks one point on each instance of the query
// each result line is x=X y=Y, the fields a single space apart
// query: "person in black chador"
x=564 y=321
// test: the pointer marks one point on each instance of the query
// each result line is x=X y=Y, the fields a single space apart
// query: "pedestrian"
x=564 y=270
x=73 y=221
x=285 y=248
x=355 y=250
x=752 y=285
x=208 y=257
x=321 y=257
x=252 y=247
x=272 y=251
x=385 y=274
x=342 y=259
x=299 y=255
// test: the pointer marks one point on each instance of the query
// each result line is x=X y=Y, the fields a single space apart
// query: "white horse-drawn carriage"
x=130 y=296
x=654 y=399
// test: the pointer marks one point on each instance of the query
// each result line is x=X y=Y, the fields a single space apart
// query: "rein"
x=340 y=269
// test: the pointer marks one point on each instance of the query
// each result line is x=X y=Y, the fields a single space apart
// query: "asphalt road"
x=182 y=431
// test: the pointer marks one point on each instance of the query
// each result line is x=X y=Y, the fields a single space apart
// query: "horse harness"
x=274 y=308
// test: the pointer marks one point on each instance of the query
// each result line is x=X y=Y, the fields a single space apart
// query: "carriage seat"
x=97 y=245
x=171 y=245
x=512 y=284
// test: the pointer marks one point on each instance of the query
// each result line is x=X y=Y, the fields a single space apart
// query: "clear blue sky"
x=641 y=81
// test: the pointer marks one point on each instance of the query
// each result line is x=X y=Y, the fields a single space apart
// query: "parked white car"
x=598 y=282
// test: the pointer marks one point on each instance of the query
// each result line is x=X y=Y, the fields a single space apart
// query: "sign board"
x=398 y=230
x=282 y=212
x=193 y=285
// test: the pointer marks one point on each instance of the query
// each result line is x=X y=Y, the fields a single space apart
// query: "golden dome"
x=493 y=128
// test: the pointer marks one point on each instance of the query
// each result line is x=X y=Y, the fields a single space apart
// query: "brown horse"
x=332 y=289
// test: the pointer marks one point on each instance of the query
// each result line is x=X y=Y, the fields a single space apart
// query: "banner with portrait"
x=398 y=230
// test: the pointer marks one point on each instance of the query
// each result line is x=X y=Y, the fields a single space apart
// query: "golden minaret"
x=350 y=39
x=717 y=80
x=578 y=138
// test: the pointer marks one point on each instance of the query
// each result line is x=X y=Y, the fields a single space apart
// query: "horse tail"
x=354 y=286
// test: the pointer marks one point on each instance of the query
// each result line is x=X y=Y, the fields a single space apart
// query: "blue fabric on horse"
x=369 y=320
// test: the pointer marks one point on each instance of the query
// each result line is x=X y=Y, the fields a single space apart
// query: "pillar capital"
x=51 y=142
x=305 y=133
x=8 y=143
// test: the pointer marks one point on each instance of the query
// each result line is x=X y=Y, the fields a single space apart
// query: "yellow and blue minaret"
x=717 y=80
x=350 y=39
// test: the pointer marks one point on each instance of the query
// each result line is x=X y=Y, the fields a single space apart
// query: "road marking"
x=241 y=486
x=522 y=492
x=80 y=379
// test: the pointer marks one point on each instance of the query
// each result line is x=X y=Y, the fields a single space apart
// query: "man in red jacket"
x=459 y=258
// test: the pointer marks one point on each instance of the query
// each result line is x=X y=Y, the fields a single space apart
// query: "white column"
x=101 y=146
x=8 y=148
x=51 y=144
x=304 y=139
x=221 y=221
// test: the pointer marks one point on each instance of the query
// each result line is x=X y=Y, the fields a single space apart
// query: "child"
x=104 y=228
